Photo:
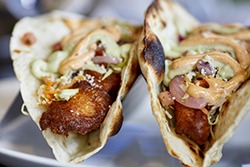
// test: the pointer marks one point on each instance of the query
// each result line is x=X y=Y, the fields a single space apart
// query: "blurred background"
x=222 y=11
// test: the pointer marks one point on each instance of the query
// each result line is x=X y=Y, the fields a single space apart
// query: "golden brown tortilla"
x=164 y=21
x=49 y=29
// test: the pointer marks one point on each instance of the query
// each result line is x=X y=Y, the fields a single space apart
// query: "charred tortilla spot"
x=28 y=38
x=156 y=5
x=163 y=23
x=185 y=165
x=174 y=154
x=17 y=51
x=196 y=151
x=153 y=54
x=149 y=11
x=117 y=124
x=201 y=154
x=135 y=70
x=154 y=15
x=213 y=162
x=193 y=149
x=128 y=86
x=225 y=107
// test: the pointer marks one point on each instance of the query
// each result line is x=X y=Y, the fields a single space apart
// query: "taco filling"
x=81 y=77
x=201 y=72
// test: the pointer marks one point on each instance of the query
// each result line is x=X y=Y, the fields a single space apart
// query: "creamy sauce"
x=217 y=28
x=223 y=45
x=217 y=87
x=241 y=53
x=82 y=52
x=75 y=62
x=57 y=72
x=235 y=31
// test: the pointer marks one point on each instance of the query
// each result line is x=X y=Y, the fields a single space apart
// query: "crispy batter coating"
x=192 y=123
x=111 y=84
x=81 y=114
x=85 y=111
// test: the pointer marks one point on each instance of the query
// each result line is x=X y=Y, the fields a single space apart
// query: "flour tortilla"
x=164 y=21
x=49 y=29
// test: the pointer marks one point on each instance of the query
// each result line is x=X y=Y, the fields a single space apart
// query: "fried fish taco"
x=198 y=79
x=73 y=74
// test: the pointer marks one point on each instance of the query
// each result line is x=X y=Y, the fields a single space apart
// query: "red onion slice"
x=177 y=90
x=106 y=59
x=205 y=68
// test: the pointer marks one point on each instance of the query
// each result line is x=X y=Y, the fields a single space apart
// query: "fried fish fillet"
x=86 y=110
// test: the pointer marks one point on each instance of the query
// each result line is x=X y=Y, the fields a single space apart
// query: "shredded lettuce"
x=90 y=65
x=107 y=74
x=66 y=94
